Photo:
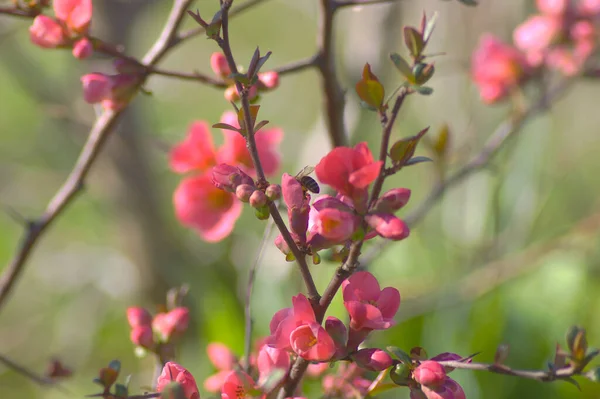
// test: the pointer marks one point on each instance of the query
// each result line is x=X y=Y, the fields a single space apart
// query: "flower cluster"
x=267 y=81
x=148 y=332
x=335 y=220
x=561 y=37
x=205 y=201
x=68 y=29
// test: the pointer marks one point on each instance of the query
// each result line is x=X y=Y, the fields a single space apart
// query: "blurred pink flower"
x=76 y=14
x=450 y=389
x=83 y=48
x=553 y=7
x=47 y=33
x=270 y=359
x=237 y=385
x=138 y=316
x=142 y=336
x=218 y=63
x=202 y=206
x=196 y=152
x=173 y=322
x=174 y=372
x=497 y=68
x=369 y=306
x=536 y=35
x=224 y=361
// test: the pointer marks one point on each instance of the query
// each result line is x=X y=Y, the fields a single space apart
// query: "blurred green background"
x=508 y=256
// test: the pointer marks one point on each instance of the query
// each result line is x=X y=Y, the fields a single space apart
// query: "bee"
x=307 y=182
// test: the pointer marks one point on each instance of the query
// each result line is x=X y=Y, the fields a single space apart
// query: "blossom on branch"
x=173 y=372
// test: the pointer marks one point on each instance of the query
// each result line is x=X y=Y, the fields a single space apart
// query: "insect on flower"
x=307 y=182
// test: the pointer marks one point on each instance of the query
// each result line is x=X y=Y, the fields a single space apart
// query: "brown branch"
x=334 y=101
x=194 y=77
x=91 y=149
x=538 y=375
x=355 y=3
x=297 y=66
x=38 y=379
x=17 y=12
x=224 y=43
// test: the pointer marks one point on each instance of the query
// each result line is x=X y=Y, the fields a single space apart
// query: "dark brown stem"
x=74 y=183
x=351 y=3
x=297 y=66
x=224 y=43
x=334 y=102
x=16 y=12
x=538 y=375
x=194 y=77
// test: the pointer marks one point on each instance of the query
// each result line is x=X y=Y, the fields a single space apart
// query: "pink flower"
x=392 y=200
x=137 y=316
x=219 y=65
x=448 y=390
x=224 y=360
x=388 y=226
x=203 y=207
x=269 y=80
x=142 y=336
x=589 y=7
x=270 y=359
x=174 y=372
x=430 y=373
x=174 y=322
x=234 y=151
x=237 y=385
x=536 y=35
x=76 y=14
x=97 y=87
x=347 y=383
x=114 y=92
x=297 y=329
x=47 y=33
x=298 y=207
x=553 y=7
x=372 y=359
x=349 y=171
x=195 y=152
x=497 y=68
x=369 y=306
x=83 y=48
x=333 y=219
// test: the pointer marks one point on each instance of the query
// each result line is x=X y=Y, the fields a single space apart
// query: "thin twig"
x=297 y=66
x=249 y=288
x=224 y=43
x=17 y=12
x=538 y=375
x=356 y=3
x=194 y=77
x=334 y=94
x=38 y=379
x=74 y=183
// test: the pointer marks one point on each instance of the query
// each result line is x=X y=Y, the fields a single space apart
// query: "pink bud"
x=47 y=33
x=96 y=87
x=269 y=80
x=228 y=178
x=338 y=332
x=174 y=322
x=218 y=63
x=83 y=48
x=142 y=336
x=392 y=200
x=231 y=94
x=177 y=373
x=282 y=245
x=429 y=373
x=388 y=226
x=243 y=192
x=137 y=316
x=372 y=359
x=273 y=192
x=258 y=199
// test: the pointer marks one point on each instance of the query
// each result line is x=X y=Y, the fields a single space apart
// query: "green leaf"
x=402 y=66
x=399 y=354
x=414 y=41
x=424 y=90
x=369 y=89
x=121 y=391
x=115 y=365
x=240 y=77
x=400 y=374
x=226 y=127
x=429 y=26
x=469 y=2
x=259 y=125
x=403 y=150
x=416 y=160
x=261 y=61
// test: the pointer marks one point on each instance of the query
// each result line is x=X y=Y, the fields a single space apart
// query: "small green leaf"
x=501 y=354
x=418 y=353
x=572 y=381
x=121 y=391
x=429 y=26
x=402 y=66
x=115 y=365
x=414 y=41
x=416 y=160
x=240 y=77
x=369 y=89
x=424 y=90
x=226 y=127
x=399 y=354
x=400 y=374
x=469 y=2
x=261 y=61
x=381 y=388
x=403 y=150
x=260 y=125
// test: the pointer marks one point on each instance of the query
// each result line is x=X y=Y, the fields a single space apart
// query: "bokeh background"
x=508 y=256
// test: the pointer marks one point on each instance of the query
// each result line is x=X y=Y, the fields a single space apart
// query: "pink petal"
x=389 y=302
x=362 y=285
x=195 y=152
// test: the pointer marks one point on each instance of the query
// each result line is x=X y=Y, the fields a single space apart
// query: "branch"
x=194 y=76
x=538 y=375
x=297 y=66
x=17 y=12
x=224 y=43
x=38 y=379
x=334 y=94
x=351 y=3
x=91 y=149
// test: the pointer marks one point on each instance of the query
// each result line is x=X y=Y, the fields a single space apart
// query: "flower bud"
x=47 y=33
x=262 y=213
x=231 y=94
x=83 y=48
x=372 y=359
x=273 y=192
x=142 y=336
x=269 y=80
x=173 y=372
x=258 y=199
x=218 y=63
x=96 y=87
x=337 y=331
x=243 y=192
x=228 y=178
x=138 y=316
x=282 y=245
x=174 y=322
x=392 y=200
x=429 y=373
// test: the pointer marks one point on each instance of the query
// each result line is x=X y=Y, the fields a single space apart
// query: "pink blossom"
x=219 y=65
x=96 y=87
x=497 y=68
x=202 y=206
x=269 y=80
x=76 y=14
x=553 y=7
x=450 y=389
x=196 y=152
x=114 y=92
x=589 y=8
x=298 y=207
x=430 y=373
x=372 y=359
x=369 y=306
x=47 y=33
x=174 y=322
x=234 y=149
x=297 y=329
x=349 y=171
x=335 y=225
x=224 y=361
x=317 y=369
x=237 y=385
x=137 y=316
x=347 y=383
x=83 y=48
x=393 y=200
x=174 y=372
x=142 y=336
x=270 y=359
x=388 y=226
x=536 y=35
